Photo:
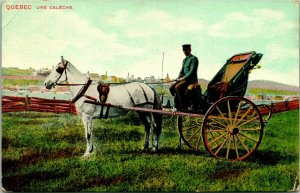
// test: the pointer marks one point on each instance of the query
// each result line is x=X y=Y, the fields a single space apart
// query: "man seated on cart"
x=187 y=76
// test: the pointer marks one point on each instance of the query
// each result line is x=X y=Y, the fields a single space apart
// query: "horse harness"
x=81 y=93
x=102 y=88
x=131 y=98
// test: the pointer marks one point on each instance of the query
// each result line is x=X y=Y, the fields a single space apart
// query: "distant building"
x=43 y=72
x=167 y=79
x=129 y=78
x=151 y=79
x=94 y=76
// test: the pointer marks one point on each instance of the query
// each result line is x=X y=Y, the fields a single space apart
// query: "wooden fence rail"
x=15 y=104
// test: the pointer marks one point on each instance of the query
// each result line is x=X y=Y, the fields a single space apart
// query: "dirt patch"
x=33 y=157
x=95 y=182
x=18 y=183
x=227 y=174
x=5 y=142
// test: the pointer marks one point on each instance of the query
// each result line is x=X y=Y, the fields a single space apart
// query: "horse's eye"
x=60 y=70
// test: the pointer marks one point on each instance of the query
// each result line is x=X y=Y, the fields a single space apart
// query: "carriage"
x=230 y=125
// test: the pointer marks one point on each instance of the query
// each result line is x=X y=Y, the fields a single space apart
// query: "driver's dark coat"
x=189 y=69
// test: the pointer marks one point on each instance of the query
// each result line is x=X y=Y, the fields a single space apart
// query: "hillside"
x=263 y=85
x=271 y=85
x=254 y=84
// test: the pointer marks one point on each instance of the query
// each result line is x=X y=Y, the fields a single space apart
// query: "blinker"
x=60 y=70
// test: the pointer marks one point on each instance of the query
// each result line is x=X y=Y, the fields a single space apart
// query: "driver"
x=187 y=76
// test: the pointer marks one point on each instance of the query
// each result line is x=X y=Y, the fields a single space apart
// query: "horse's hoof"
x=153 y=150
x=87 y=155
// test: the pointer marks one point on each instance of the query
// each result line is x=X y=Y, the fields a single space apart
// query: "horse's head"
x=57 y=75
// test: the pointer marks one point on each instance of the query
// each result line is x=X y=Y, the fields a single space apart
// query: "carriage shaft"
x=158 y=111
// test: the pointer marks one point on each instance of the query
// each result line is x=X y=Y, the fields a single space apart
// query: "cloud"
x=152 y=22
x=264 y=22
x=279 y=51
x=60 y=33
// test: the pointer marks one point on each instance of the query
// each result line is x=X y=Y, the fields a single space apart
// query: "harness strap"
x=90 y=97
x=129 y=95
x=82 y=91
x=144 y=92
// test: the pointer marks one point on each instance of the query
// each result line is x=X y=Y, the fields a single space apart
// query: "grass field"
x=42 y=152
x=16 y=71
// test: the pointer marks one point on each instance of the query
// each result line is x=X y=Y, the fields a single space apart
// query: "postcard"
x=144 y=96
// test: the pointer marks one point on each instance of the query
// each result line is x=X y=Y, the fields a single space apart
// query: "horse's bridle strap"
x=82 y=91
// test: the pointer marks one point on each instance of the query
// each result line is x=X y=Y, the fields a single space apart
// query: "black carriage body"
x=237 y=83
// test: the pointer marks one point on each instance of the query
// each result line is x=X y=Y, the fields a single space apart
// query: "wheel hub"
x=234 y=130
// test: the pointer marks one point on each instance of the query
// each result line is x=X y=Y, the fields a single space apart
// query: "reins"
x=82 y=90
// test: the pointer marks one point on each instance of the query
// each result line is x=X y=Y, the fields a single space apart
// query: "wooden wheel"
x=190 y=130
x=232 y=128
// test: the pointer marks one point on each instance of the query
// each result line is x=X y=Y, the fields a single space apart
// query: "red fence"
x=285 y=106
x=15 y=104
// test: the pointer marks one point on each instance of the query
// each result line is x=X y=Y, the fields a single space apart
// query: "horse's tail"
x=157 y=117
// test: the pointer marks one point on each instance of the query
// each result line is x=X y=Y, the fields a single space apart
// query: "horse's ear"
x=62 y=60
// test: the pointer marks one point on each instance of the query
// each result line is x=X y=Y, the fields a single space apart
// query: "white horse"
x=126 y=95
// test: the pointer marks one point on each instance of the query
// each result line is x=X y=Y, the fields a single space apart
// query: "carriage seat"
x=192 y=87
x=218 y=90
x=103 y=90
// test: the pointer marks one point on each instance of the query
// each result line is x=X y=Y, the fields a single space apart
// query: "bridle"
x=63 y=69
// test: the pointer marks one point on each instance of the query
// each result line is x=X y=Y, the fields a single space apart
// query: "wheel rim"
x=232 y=128
x=190 y=131
x=266 y=112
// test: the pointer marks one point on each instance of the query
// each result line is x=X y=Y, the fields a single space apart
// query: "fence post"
x=54 y=105
x=286 y=105
x=272 y=106
x=26 y=103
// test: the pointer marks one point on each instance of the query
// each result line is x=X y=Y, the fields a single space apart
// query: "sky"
x=138 y=36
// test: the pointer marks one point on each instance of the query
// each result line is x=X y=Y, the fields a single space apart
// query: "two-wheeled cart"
x=230 y=126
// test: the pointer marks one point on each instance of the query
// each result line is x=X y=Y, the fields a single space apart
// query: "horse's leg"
x=157 y=126
x=147 y=126
x=87 y=122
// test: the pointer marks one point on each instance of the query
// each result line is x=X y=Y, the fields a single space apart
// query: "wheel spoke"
x=211 y=125
x=236 y=148
x=237 y=112
x=216 y=139
x=256 y=141
x=228 y=148
x=243 y=116
x=221 y=146
x=250 y=129
x=194 y=134
x=229 y=113
x=199 y=140
x=218 y=122
x=248 y=121
x=215 y=131
x=221 y=114
x=189 y=128
x=242 y=143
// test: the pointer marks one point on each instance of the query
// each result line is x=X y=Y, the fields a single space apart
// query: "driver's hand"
x=180 y=79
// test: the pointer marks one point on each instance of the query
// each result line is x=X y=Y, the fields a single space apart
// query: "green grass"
x=15 y=82
x=257 y=91
x=42 y=152
x=16 y=71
